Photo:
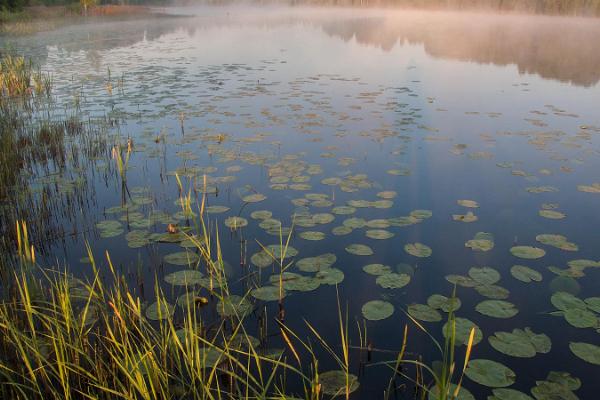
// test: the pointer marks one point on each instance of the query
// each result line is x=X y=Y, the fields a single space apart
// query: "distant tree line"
x=17 y=5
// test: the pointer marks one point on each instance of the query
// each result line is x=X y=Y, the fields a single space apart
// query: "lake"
x=415 y=152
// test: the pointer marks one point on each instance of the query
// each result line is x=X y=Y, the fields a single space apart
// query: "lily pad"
x=379 y=234
x=423 y=312
x=444 y=303
x=418 y=249
x=509 y=394
x=182 y=258
x=377 y=269
x=312 y=235
x=468 y=203
x=527 y=252
x=586 y=351
x=359 y=250
x=254 y=198
x=333 y=383
x=184 y=278
x=157 y=312
x=267 y=293
x=484 y=275
x=330 y=276
x=463 y=327
x=234 y=305
x=376 y=310
x=581 y=318
x=490 y=373
x=236 y=222
x=393 y=280
x=497 y=309
x=525 y=274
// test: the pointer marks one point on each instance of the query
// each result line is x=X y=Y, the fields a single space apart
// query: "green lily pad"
x=297 y=282
x=157 y=312
x=341 y=230
x=566 y=301
x=182 y=258
x=267 y=293
x=497 y=309
x=393 y=280
x=216 y=209
x=581 y=318
x=593 y=303
x=463 y=394
x=312 y=235
x=493 y=291
x=236 y=222
x=482 y=241
x=512 y=344
x=444 y=303
x=527 y=252
x=490 y=373
x=421 y=214
x=423 y=312
x=184 y=278
x=261 y=214
x=379 y=234
x=377 y=269
x=484 y=275
x=330 y=276
x=509 y=394
x=468 y=203
x=418 y=249
x=254 y=198
x=376 y=310
x=525 y=274
x=343 y=210
x=234 y=305
x=463 y=328
x=552 y=214
x=558 y=241
x=334 y=383
x=318 y=263
x=586 y=351
x=359 y=250
x=468 y=217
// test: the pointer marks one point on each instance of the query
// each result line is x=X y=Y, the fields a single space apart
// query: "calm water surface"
x=435 y=107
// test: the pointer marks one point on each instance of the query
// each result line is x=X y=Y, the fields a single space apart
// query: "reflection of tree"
x=561 y=49
x=564 y=49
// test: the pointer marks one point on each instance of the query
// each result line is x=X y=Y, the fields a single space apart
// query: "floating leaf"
x=254 y=198
x=490 y=373
x=417 y=249
x=267 y=293
x=444 y=303
x=566 y=301
x=586 y=351
x=482 y=241
x=184 y=278
x=359 y=250
x=423 y=312
x=234 y=305
x=525 y=274
x=581 y=318
x=312 y=235
x=236 y=222
x=377 y=269
x=393 y=280
x=379 y=234
x=509 y=394
x=463 y=327
x=376 y=310
x=497 y=309
x=157 y=312
x=468 y=203
x=182 y=258
x=334 y=383
x=552 y=214
x=527 y=252
x=484 y=275
x=463 y=394
x=330 y=276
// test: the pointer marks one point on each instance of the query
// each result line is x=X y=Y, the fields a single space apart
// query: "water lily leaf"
x=497 y=309
x=393 y=280
x=490 y=373
x=330 y=276
x=216 y=209
x=461 y=280
x=379 y=234
x=297 y=282
x=267 y=293
x=236 y=222
x=418 y=249
x=182 y=258
x=323 y=218
x=187 y=277
x=484 y=275
x=593 y=303
x=525 y=274
x=468 y=203
x=593 y=188
x=483 y=241
x=463 y=394
x=388 y=194
x=376 y=310
x=254 y=198
x=509 y=394
x=444 y=303
x=493 y=291
x=377 y=269
x=527 y=252
x=565 y=379
x=341 y=230
x=558 y=241
x=586 y=351
x=315 y=264
x=512 y=344
x=279 y=251
x=468 y=217
x=157 y=312
x=261 y=214
x=545 y=390
x=421 y=214
x=234 y=305
x=581 y=318
x=566 y=301
x=354 y=223
x=333 y=383
x=312 y=235
x=359 y=250
x=423 y=312
x=552 y=214
x=343 y=210
x=463 y=328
